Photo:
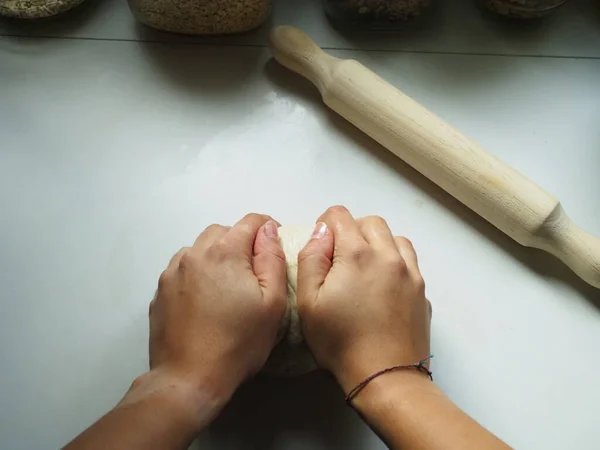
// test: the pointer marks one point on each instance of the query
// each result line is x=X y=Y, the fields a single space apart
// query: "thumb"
x=268 y=263
x=314 y=263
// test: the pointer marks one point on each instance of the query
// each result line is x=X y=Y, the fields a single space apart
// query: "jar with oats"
x=201 y=17
x=373 y=14
x=523 y=9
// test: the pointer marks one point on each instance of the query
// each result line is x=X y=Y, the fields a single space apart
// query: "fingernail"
x=320 y=231
x=271 y=229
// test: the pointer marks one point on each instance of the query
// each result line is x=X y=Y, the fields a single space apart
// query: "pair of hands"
x=217 y=311
x=219 y=304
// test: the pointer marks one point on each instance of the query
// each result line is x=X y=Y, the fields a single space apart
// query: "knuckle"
x=187 y=261
x=221 y=247
x=376 y=222
x=252 y=217
x=337 y=209
x=220 y=250
x=395 y=261
x=430 y=306
x=397 y=266
x=176 y=256
x=182 y=251
x=247 y=228
x=401 y=240
x=419 y=283
x=213 y=227
x=163 y=280
x=402 y=269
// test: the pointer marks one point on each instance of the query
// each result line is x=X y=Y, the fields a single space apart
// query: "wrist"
x=401 y=389
x=193 y=405
x=357 y=366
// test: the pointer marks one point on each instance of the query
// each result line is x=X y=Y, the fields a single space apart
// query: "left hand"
x=219 y=305
x=213 y=323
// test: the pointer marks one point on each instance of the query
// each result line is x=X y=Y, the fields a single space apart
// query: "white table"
x=119 y=145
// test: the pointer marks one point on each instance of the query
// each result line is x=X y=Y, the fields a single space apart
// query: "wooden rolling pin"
x=490 y=187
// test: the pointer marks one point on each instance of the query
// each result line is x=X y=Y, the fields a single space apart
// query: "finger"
x=174 y=262
x=152 y=305
x=314 y=263
x=377 y=233
x=269 y=264
x=165 y=278
x=211 y=234
x=346 y=233
x=243 y=234
x=408 y=253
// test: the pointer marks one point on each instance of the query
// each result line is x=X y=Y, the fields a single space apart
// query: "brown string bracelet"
x=420 y=366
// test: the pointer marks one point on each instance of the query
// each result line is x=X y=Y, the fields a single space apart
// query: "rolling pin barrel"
x=490 y=187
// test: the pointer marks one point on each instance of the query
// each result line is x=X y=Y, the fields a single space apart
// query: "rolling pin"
x=494 y=190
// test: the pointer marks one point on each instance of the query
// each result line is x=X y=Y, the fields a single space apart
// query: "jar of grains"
x=201 y=17
x=35 y=9
x=373 y=14
x=523 y=9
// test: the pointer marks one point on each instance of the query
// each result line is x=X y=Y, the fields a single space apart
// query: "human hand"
x=213 y=323
x=219 y=304
x=361 y=298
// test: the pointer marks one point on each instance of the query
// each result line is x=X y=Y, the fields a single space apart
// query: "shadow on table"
x=539 y=261
x=211 y=71
x=267 y=412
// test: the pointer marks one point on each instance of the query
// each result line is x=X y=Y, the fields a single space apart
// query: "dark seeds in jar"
x=35 y=9
x=523 y=9
x=373 y=12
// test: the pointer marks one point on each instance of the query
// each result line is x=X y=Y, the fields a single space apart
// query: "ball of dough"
x=291 y=355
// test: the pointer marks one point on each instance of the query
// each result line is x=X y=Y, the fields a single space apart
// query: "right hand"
x=361 y=298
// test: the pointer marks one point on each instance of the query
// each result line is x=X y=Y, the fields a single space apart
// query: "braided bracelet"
x=420 y=366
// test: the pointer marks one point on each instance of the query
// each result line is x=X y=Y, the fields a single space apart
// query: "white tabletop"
x=117 y=152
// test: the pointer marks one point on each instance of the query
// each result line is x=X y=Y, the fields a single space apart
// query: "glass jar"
x=35 y=9
x=201 y=17
x=523 y=9
x=373 y=14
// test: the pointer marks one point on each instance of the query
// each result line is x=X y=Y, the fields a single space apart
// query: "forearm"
x=410 y=413
x=157 y=412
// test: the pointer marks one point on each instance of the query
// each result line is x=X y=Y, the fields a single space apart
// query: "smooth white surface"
x=116 y=154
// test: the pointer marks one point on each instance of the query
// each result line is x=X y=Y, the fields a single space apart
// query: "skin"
x=215 y=317
x=361 y=298
x=213 y=323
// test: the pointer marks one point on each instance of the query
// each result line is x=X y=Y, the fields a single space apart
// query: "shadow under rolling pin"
x=494 y=190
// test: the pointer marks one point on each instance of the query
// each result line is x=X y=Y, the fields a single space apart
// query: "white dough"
x=291 y=355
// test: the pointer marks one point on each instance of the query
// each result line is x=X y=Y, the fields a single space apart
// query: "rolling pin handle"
x=295 y=50
x=575 y=247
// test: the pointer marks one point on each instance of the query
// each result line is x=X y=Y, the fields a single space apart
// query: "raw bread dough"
x=291 y=355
